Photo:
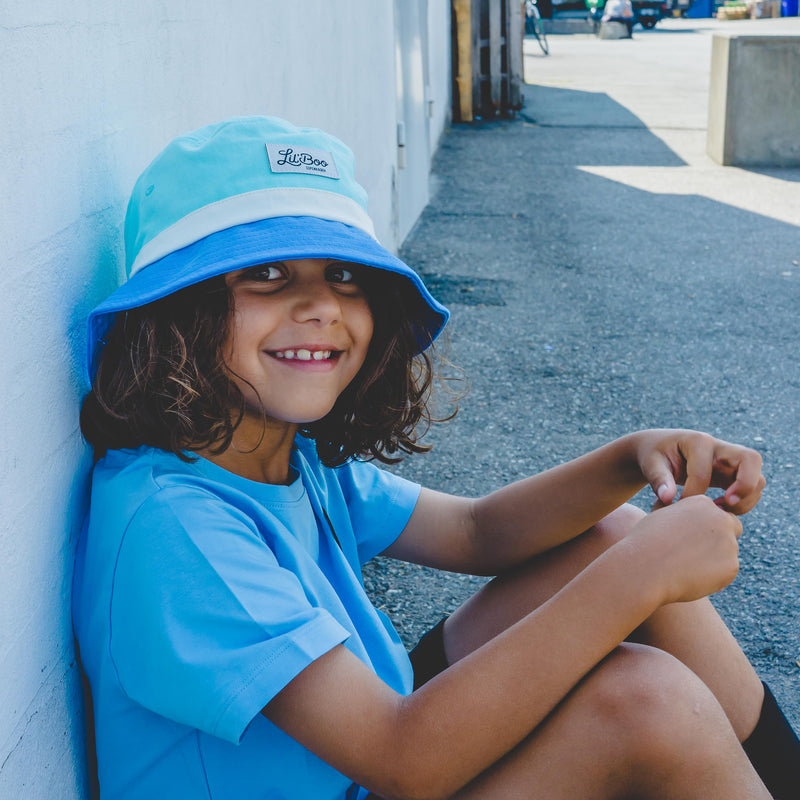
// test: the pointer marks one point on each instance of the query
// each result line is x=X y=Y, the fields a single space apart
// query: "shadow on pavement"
x=781 y=174
x=590 y=125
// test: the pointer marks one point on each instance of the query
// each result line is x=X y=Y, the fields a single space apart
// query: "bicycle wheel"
x=541 y=36
x=537 y=29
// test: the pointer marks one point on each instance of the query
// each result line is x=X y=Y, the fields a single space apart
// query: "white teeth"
x=304 y=355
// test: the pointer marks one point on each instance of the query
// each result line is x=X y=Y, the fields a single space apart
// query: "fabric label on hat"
x=306 y=160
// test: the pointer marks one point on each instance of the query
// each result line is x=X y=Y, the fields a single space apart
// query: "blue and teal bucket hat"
x=246 y=191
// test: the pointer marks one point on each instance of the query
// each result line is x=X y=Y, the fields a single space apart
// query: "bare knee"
x=659 y=710
x=603 y=535
x=616 y=526
x=639 y=725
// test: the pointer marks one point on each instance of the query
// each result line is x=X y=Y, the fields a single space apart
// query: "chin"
x=296 y=415
x=307 y=418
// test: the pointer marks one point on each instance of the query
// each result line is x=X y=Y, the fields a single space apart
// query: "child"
x=263 y=352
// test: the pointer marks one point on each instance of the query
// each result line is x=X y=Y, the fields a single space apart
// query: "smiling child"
x=263 y=354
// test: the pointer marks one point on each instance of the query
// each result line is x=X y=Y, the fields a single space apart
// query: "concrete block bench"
x=754 y=100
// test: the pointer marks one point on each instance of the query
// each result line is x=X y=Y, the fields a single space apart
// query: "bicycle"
x=533 y=25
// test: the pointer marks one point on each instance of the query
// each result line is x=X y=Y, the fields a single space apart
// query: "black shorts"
x=428 y=658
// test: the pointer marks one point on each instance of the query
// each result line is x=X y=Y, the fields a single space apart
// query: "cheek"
x=238 y=348
x=245 y=327
x=361 y=325
x=369 y=328
x=365 y=341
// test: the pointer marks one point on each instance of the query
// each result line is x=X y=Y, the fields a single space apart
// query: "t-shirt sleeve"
x=380 y=504
x=206 y=626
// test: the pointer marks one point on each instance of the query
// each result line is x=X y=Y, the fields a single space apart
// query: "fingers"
x=736 y=524
x=700 y=462
x=697 y=549
x=731 y=501
x=658 y=472
x=746 y=488
x=691 y=456
x=698 y=453
x=737 y=470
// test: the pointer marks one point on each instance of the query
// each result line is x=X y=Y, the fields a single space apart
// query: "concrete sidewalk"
x=604 y=276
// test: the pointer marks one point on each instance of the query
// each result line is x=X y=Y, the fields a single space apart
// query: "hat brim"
x=274 y=239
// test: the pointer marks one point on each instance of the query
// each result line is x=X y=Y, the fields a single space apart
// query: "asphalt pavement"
x=605 y=275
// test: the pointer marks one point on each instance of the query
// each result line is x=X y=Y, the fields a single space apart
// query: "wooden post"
x=478 y=78
x=488 y=57
x=496 y=36
x=514 y=35
x=462 y=46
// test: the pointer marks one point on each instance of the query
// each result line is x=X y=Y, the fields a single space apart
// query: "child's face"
x=299 y=334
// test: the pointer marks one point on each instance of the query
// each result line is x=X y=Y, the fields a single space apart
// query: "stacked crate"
x=487 y=58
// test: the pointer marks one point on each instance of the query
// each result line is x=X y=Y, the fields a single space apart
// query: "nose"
x=315 y=301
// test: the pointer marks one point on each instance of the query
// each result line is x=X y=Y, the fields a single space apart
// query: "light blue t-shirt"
x=200 y=594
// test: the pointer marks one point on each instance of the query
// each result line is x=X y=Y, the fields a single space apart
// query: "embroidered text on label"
x=286 y=158
x=296 y=159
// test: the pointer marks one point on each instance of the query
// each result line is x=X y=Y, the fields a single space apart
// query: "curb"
x=567 y=26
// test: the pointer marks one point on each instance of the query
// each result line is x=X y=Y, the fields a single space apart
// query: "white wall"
x=422 y=41
x=92 y=90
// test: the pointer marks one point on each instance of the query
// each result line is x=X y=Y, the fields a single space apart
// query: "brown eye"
x=339 y=273
x=264 y=272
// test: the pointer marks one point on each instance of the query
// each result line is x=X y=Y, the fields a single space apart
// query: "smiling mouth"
x=305 y=355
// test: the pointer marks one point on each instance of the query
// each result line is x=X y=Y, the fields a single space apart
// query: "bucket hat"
x=242 y=192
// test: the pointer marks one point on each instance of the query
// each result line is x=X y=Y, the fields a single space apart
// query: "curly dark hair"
x=161 y=379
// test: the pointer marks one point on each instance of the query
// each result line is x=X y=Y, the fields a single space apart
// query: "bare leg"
x=692 y=632
x=640 y=725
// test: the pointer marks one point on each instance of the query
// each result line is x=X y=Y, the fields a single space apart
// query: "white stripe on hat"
x=253 y=206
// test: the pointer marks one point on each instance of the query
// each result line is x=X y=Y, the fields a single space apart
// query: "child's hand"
x=692 y=547
x=698 y=462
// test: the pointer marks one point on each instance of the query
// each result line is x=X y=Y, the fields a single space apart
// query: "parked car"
x=562 y=6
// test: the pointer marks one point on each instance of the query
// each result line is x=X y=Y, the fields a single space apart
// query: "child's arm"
x=437 y=739
x=488 y=535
